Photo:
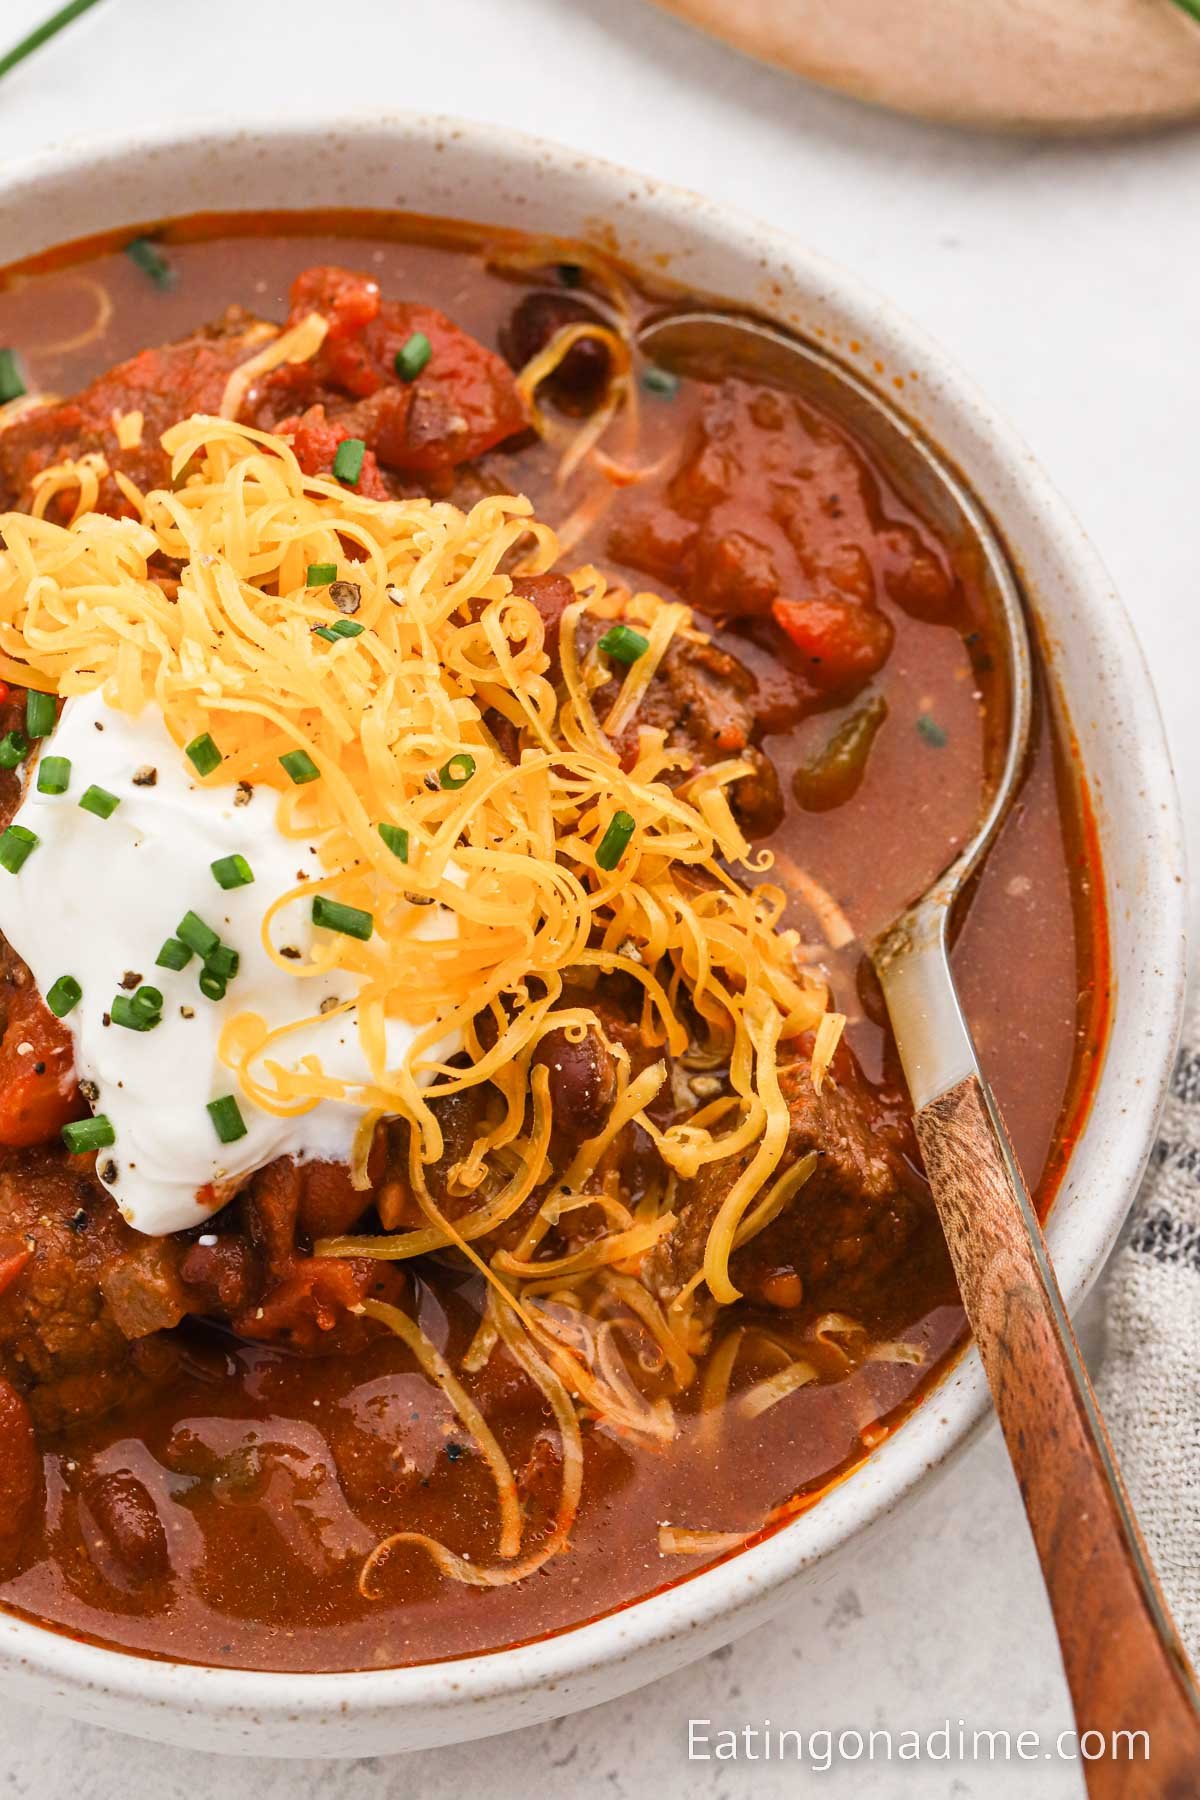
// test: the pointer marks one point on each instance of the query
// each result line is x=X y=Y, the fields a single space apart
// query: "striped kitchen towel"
x=1150 y=1378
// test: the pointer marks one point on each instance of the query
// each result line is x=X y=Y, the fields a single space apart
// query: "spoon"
x=1125 y=1666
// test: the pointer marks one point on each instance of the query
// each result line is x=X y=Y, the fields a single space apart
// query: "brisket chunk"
x=80 y=1300
x=851 y=1218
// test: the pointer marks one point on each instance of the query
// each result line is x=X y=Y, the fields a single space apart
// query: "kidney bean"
x=123 y=1512
x=581 y=377
x=583 y=1082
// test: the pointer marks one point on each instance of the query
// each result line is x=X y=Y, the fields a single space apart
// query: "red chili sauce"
x=218 y=1509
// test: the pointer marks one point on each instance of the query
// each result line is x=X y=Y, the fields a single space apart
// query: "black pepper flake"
x=105 y=1019
x=145 y=777
x=39 y=1068
x=346 y=596
x=291 y=952
x=78 y=1221
x=131 y=979
x=243 y=794
x=455 y=1451
x=99 y=724
x=109 y=1171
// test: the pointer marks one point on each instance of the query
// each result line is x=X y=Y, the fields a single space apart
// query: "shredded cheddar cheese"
x=199 y=607
x=128 y=429
x=294 y=346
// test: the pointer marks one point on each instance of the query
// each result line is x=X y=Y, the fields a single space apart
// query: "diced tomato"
x=38 y=1090
x=461 y=403
x=842 y=643
x=315 y=440
x=19 y=1465
x=313 y=1306
x=347 y=300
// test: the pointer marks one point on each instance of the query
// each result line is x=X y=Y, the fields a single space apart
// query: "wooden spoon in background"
x=1034 y=65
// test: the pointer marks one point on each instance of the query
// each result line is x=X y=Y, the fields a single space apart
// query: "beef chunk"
x=709 y=704
x=76 y=1281
x=851 y=1218
x=87 y=1306
x=163 y=385
x=462 y=402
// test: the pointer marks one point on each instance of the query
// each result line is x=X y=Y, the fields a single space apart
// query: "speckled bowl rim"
x=1096 y=659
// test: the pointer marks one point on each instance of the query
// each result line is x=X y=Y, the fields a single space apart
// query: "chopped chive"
x=624 y=644
x=41 y=713
x=99 y=801
x=224 y=962
x=16 y=846
x=203 y=754
x=412 y=357
x=63 y=996
x=300 y=766
x=351 y=921
x=54 y=774
x=211 y=985
x=12 y=384
x=348 y=461
x=396 y=839
x=173 y=955
x=133 y=1018
x=615 y=841
x=146 y=256
x=232 y=872
x=148 y=1001
x=14 y=748
x=320 y=574
x=458 y=771
x=570 y=274
x=192 y=931
x=41 y=34
x=89 y=1134
x=344 y=628
x=227 y=1119
x=660 y=381
x=932 y=732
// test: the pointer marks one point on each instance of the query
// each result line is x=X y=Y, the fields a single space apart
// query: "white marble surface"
x=1066 y=279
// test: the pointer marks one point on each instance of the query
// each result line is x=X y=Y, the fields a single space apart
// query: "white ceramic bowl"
x=436 y=166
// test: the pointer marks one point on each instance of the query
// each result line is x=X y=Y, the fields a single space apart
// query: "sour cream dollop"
x=97 y=899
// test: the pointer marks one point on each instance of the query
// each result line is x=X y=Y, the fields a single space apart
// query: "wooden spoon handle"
x=1125 y=1666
